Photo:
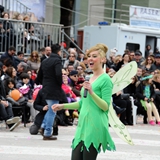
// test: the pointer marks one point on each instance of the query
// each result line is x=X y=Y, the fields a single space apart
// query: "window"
x=132 y=46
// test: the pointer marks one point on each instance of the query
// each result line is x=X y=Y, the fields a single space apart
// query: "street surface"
x=20 y=145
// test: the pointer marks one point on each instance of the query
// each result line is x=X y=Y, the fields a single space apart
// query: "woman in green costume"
x=92 y=132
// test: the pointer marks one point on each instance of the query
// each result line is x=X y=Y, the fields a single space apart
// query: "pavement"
x=19 y=144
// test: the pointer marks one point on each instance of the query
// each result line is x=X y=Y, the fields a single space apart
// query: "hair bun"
x=102 y=47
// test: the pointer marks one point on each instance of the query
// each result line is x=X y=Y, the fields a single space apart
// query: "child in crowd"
x=25 y=88
x=71 y=97
x=146 y=94
x=16 y=98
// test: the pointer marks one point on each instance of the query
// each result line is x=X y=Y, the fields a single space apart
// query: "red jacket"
x=67 y=90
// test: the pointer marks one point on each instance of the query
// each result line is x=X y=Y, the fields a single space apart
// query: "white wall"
x=94 y=10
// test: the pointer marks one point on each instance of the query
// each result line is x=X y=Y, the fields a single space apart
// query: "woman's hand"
x=145 y=98
x=118 y=93
x=88 y=86
x=57 y=107
x=31 y=100
x=5 y=103
x=45 y=108
x=152 y=99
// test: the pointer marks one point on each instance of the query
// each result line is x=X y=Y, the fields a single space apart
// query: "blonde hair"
x=117 y=59
x=83 y=66
x=156 y=76
x=101 y=48
x=26 y=16
x=31 y=57
x=15 y=15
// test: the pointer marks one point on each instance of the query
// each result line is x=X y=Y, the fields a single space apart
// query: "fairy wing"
x=119 y=128
x=121 y=80
x=123 y=77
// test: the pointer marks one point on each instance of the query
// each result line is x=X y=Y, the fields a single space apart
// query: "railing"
x=14 y=5
x=28 y=36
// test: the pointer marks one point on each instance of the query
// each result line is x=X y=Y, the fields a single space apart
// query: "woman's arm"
x=73 y=105
x=100 y=102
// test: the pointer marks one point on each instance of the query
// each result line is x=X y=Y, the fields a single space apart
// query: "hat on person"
x=157 y=55
x=74 y=72
x=88 y=71
x=138 y=53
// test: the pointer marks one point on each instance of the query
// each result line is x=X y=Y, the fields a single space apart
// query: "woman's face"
x=158 y=79
x=149 y=60
x=94 y=60
x=20 y=17
x=64 y=73
x=6 y=16
x=35 y=56
x=150 y=80
x=65 y=80
x=126 y=58
x=14 y=72
x=80 y=69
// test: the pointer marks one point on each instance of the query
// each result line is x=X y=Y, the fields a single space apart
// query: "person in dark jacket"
x=40 y=105
x=9 y=55
x=47 y=53
x=50 y=76
x=19 y=58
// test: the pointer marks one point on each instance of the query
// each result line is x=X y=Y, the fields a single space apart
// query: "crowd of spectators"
x=18 y=72
x=20 y=31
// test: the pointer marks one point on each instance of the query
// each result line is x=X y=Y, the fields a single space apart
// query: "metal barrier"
x=14 y=5
x=28 y=36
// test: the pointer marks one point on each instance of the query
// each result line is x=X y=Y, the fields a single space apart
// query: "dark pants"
x=157 y=103
x=126 y=115
x=79 y=154
x=6 y=112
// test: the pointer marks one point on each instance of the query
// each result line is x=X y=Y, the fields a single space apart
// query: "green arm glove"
x=74 y=105
x=100 y=102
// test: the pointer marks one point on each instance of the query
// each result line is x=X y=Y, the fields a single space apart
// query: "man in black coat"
x=50 y=76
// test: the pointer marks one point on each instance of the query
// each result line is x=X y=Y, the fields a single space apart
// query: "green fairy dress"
x=93 y=121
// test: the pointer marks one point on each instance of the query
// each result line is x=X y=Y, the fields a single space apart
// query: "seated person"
x=25 y=88
x=41 y=106
x=6 y=112
x=156 y=82
x=73 y=79
x=126 y=116
x=71 y=97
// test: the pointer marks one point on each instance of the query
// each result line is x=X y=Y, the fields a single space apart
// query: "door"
x=152 y=41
